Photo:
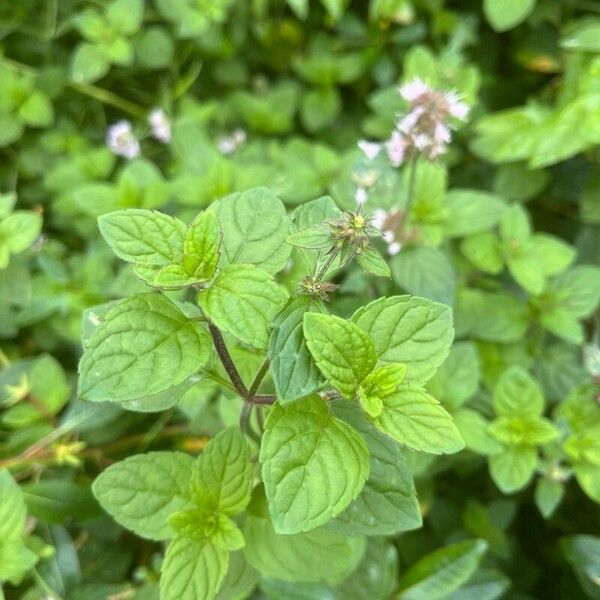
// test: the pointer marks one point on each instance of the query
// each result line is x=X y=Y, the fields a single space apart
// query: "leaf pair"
x=165 y=253
x=391 y=332
x=164 y=495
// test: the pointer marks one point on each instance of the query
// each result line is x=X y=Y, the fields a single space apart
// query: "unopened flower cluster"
x=425 y=130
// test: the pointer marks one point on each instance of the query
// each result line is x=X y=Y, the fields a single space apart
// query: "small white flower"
x=370 y=149
x=388 y=236
x=378 y=219
x=160 y=124
x=360 y=196
x=228 y=144
x=396 y=148
x=414 y=89
x=456 y=107
x=121 y=140
x=394 y=248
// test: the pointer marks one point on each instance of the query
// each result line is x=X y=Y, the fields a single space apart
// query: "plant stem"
x=259 y=377
x=410 y=197
x=323 y=270
x=227 y=361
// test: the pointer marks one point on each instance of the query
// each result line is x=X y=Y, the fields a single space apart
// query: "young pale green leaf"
x=142 y=491
x=518 y=394
x=588 y=478
x=442 y=572
x=223 y=473
x=578 y=290
x=201 y=249
x=344 y=354
x=530 y=431
x=388 y=502
x=413 y=331
x=192 y=570
x=255 y=226
x=414 y=418
x=313 y=465
x=243 y=300
x=293 y=368
x=312 y=556
x=506 y=14
x=548 y=495
x=19 y=230
x=372 y=262
x=379 y=383
x=513 y=468
x=144 y=236
x=204 y=523
x=515 y=227
x=15 y=560
x=474 y=430
x=524 y=266
x=144 y=345
x=553 y=255
x=12 y=507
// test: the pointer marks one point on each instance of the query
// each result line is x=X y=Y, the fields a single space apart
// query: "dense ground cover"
x=355 y=353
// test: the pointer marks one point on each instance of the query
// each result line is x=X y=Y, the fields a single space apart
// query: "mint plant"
x=339 y=393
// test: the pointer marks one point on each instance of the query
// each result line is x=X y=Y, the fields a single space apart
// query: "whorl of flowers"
x=425 y=130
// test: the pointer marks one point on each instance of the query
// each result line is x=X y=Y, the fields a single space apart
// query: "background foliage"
x=505 y=229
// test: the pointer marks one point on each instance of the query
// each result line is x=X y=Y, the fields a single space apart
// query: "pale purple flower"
x=413 y=90
x=121 y=140
x=379 y=218
x=396 y=148
x=160 y=124
x=370 y=149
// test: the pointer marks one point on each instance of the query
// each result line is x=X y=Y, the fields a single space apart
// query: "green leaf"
x=200 y=524
x=144 y=236
x=513 y=468
x=518 y=394
x=471 y=211
x=15 y=560
x=320 y=108
x=425 y=272
x=553 y=255
x=548 y=495
x=154 y=50
x=313 y=556
x=414 y=418
x=457 y=379
x=293 y=368
x=582 y=35
x=255 y=226
x=388 y=502
x=344 y=354
x=375 y=576
x=474 y=430
x=243 y=300
x=125 y=16
x=313 y=465
x=372 y=262
x=583 y=552
x=316 y=237
x=408 y=330
x=19 y=230
x=380 y=383
x=223 y=473
x=484 y=584
x=55 y=500
x=506 y=14
x=142 y=491
x=523 y=430
x=577 y=291
x=515 y=226
x=37 y=110
x=192 y=570
x=12 y=507
x=89 y=63
x=240 y=580
x=442 y=572
x=588 y=478
x=144 y=345
x=201 y=249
